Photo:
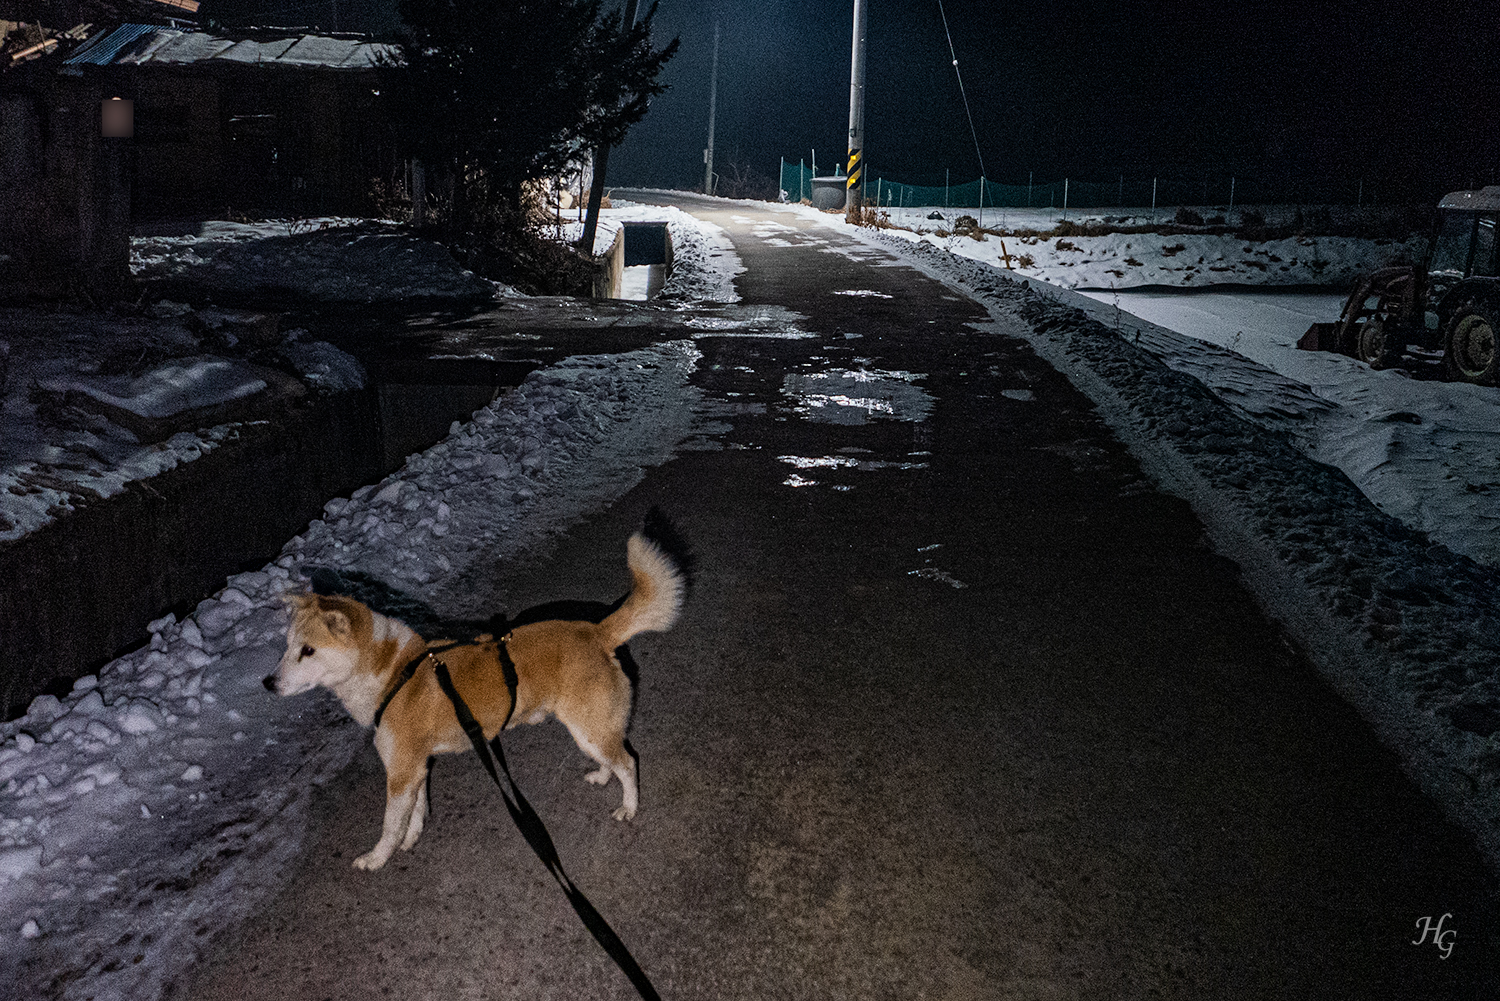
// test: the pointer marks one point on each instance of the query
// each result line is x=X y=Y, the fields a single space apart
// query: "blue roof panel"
x=101 y=51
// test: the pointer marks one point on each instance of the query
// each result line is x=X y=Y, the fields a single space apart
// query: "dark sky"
x=1405 y=95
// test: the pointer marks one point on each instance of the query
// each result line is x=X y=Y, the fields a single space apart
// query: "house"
x=268 y=122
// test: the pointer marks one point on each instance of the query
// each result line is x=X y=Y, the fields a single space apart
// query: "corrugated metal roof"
x=142 y=44
x=101 y=50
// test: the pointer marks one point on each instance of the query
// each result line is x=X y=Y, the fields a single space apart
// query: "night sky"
x=1405 y=96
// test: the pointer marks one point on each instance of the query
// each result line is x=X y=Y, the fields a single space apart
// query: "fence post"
x=801 y=181
x=1065 y=198
x=981 y=201
x=1231 y=194
x=1030 y=176
x=1120 y=198
x=1153 y=200
x=945 y=187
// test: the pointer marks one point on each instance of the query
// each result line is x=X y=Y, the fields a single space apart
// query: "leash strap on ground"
x=531 y=827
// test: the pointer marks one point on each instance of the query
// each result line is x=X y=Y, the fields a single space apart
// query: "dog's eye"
x=307 y=651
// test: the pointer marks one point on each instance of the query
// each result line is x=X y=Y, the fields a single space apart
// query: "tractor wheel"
x=1373 y=345
x=1470 y=349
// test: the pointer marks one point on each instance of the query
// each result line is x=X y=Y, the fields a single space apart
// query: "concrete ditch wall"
x=84 y=587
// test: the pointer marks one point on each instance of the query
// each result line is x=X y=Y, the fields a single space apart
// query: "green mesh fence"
x=796 y=181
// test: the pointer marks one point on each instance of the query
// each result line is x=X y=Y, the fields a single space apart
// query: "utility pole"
x=856 y=113
x=713 y=92
x=601 y=162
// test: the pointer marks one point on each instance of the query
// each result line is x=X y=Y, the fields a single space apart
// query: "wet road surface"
x=960 y=708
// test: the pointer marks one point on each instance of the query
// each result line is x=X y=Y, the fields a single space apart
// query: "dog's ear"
x=337 y=624
x=296 y=601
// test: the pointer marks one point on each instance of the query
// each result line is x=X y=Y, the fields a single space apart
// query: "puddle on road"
x=853 y=396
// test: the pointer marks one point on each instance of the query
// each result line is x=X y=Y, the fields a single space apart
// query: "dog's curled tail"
x=660 y=586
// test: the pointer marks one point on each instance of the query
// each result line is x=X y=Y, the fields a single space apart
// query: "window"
x=1484 y=247
x=1451 y=250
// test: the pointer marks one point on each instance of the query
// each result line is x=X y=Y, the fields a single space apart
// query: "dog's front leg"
x=405 y=778
x=398 y=811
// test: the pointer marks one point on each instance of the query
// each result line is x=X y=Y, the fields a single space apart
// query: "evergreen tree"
x=503 y=91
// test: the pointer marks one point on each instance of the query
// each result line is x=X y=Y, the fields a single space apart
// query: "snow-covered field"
x=1130 y=260
x=160 y=802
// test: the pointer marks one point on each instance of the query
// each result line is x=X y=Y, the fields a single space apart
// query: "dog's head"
x=323 y=643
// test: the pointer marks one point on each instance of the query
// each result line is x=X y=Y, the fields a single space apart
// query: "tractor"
x=1451 y=303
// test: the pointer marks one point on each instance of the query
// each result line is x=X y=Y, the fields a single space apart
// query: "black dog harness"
x=526 y=819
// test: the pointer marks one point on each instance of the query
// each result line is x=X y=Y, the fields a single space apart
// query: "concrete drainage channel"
x=82 y=589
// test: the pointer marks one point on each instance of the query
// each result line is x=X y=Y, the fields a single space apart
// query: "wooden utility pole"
x=713 y=91
x=601 y=162
x=856 y=114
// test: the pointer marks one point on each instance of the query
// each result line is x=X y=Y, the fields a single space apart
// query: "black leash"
x=531 y=827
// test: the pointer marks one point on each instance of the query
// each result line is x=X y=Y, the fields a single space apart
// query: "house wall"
x=64 y=192
x=214 y=139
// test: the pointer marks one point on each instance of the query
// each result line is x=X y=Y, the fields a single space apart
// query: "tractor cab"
x=1464 y=246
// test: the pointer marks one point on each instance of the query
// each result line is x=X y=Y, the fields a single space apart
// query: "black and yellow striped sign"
x=856 y=167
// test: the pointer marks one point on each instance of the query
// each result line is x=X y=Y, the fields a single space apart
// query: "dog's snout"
x=270 y=682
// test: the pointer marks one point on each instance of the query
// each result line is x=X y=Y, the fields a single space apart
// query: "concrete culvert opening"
x=644 y=253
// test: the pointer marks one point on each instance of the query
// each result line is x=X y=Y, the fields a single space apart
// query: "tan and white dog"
x=567 y=669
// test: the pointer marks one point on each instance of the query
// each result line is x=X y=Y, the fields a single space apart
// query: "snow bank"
x=1423 y=451
x=161 y=801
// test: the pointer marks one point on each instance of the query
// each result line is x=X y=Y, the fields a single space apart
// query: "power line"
x=961 y=91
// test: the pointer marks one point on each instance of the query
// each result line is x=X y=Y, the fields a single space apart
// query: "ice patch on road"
x=852 y=396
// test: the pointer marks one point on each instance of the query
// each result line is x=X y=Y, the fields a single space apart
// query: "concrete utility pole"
x=601 y=162
x=856 y=114
x=713 y=91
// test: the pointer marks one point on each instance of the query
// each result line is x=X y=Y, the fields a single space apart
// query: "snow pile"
x=162 y=800
x=182 y=384
x=1129 y=260
x=56 y=454
x=327 y=261
x=1407 y=630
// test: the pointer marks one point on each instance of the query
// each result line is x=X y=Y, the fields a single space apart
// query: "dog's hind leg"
x=614 y=761
x=419 y=811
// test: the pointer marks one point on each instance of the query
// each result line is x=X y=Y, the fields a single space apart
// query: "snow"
x=328 y=260
x=1126 y=260
x=184 y=384
x=704 y=263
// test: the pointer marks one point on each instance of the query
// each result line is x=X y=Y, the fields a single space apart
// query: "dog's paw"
x=623 y=814
x=599 y=776
x=369 y=861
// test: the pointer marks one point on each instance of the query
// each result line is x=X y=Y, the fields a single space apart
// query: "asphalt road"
x=979 y=717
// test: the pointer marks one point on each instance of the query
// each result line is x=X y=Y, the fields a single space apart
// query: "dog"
x=564 y=668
